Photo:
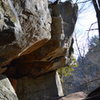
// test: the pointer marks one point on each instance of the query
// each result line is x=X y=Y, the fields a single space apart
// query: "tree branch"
x=83 y=1
x=92 y=29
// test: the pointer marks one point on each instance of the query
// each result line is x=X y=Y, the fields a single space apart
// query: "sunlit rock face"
x=22 y=24
x=6 y=90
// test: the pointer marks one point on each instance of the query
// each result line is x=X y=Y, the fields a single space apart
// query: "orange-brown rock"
x=38 y=45
x=44 y=56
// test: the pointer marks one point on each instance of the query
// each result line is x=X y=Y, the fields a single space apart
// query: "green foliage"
x=67 y=70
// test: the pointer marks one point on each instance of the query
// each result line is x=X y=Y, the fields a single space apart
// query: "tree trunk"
x=96 y=4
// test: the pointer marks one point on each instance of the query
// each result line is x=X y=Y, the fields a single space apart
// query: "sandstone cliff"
x=34 y=40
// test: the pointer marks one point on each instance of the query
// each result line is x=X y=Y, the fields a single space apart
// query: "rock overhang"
x=43 y=44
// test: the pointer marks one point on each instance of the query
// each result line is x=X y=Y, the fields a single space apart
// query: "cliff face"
x=34 y=40
x=26 y=39
x=24 y=27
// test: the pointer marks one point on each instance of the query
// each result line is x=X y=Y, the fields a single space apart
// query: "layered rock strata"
x=34 y=40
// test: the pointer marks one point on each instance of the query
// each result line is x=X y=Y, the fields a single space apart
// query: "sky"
x=86 y=16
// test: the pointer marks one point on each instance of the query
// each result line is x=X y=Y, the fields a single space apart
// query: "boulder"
x=6 y=90
x=74 y=96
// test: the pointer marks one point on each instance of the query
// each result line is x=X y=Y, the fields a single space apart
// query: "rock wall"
x=24 y=24
x=35 y=40
x=45 y=87
x=42 y=56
